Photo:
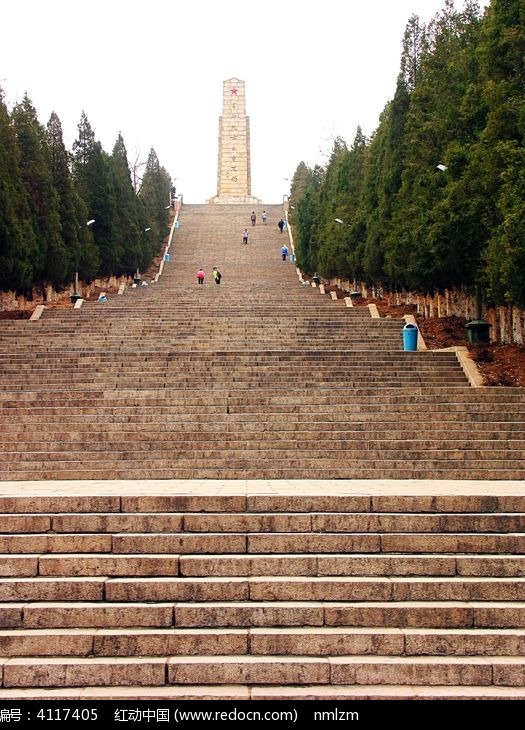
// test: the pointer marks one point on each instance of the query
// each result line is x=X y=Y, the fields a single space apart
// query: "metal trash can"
x=410 y=332
x=478 y=332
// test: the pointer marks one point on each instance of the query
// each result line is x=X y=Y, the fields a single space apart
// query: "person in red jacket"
x=200 y=276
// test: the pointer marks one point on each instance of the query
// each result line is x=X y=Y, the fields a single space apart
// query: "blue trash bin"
x=410 y=333
x=167 y=257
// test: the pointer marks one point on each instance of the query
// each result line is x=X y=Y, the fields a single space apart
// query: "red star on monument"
x=234 y=92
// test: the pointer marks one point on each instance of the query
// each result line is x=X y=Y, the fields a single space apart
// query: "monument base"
x=241 y=200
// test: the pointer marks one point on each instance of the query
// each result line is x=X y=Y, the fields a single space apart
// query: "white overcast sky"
x=153 y=70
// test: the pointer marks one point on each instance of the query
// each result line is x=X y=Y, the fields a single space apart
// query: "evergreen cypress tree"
x=382 y=180
x=155 y=196
x=305 y=195
x=91 y=168
x=130 y=220
x=301 y=181
x=17 y=237
x=50 y=262
x=63 y=184
x=501 y=150
x=430 y=244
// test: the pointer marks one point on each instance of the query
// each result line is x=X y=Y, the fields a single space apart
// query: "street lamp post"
x=137 y=277
x=76 y=294
x=173 y=193
x=355 y=294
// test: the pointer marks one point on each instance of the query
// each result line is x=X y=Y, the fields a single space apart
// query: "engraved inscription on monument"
x=233 y=171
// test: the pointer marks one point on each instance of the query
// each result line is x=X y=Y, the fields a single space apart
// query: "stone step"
x=375 y=692
x=228 y=460
x=79 y=672
x=282 y=641
x=270 y=542
x=244 y=469
x=158 y=387
x=305 y=498
x=49 y=543
x=368 y=378
x=98 y=565
x=116 y=671
x=242 y=472
x=46 y=614
x=241 y=692
x=274 y=588
x=302 y=417
x=230 y=430
x=371 y=445
x=228 y=405
x=416 y=614
x=291 y=543
x=91 y=358
x=236 y=456
x=337 y=641
x=37 y=588
x=241 y=565
x=128 y=543
x=503 y=671
x=260 y=522
x=349 y=565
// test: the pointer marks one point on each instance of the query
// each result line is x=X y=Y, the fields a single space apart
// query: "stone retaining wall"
x=11 y=301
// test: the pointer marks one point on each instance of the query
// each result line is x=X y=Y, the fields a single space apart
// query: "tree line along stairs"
x=315 y=530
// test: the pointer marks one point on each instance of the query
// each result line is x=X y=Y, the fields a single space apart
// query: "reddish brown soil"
x=501 y=364
x=15 y=315
x=439 y=332
x=394 y=311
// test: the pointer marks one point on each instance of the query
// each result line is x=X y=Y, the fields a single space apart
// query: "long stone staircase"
x=257 y=378
x=218 y=580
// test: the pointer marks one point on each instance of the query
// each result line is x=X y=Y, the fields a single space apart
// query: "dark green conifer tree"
x=50 y=261
x=155 y=196
x=17 y=237
x=91 y=167
x=130 y=226
x=71 y=225
x=501 y=149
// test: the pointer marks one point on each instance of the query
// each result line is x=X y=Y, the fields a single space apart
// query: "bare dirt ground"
x=15 y=315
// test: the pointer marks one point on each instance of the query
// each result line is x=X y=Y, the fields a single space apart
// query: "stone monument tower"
x=234 y=172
